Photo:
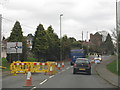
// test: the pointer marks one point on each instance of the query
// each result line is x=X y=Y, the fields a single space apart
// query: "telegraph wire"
x=16 y=20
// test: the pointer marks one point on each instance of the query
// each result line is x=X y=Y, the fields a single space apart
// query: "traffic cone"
x=59 y=66
x=56 y=64
x=51 y=71
x=63 y=64
x=29 y=79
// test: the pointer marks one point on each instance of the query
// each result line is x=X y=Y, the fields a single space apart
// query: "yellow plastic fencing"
x=34 y=67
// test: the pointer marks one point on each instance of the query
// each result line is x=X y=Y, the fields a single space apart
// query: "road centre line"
x=43 y=81
x=51 y=76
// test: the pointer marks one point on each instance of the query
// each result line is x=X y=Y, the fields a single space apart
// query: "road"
x=64 y=79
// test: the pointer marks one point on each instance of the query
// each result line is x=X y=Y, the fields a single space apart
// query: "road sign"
x=14 y=47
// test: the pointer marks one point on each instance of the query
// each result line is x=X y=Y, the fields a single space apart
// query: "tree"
x=17 y=36
x=40 y=44
x=66 y=46
x=53 y=45
x=108 y=45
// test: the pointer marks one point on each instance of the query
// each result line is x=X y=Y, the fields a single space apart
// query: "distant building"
x=29 y=40
x=104 y=35
x=95 y=39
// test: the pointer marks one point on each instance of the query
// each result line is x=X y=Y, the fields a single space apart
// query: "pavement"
x=103 y=72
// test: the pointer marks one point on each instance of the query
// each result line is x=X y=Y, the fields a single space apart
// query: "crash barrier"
x=34 y=67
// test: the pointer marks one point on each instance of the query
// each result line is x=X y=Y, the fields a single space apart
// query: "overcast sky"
x=78 y=16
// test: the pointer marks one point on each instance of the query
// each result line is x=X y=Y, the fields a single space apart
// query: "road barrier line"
x=43 y=81
x=51 y=76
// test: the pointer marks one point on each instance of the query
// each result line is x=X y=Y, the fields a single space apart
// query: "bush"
x=6 y=64
x=30 y=59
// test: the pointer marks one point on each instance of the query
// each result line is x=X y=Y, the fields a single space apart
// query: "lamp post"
x=117 y=32
x=60 y=39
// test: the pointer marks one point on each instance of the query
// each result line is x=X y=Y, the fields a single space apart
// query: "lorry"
x=76 y=53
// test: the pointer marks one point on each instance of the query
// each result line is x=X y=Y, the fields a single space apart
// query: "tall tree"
x=53 y=43
x=66 y=46
x=40 y=44
x=108 y=45
x=17 y=36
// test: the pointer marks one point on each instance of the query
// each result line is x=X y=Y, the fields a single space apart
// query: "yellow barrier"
x=35 y=67
x=2 y=67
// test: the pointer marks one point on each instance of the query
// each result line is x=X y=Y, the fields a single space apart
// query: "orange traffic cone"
x=63 y=64
x=59 y=66
x=56 y=64
x=51 y=71
x=29 y=79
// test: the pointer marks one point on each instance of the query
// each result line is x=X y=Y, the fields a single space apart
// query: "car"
x=82 y=65
x=97 y=61
x=98 y=58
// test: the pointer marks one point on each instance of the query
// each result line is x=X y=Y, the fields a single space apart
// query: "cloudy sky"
x=78 y=16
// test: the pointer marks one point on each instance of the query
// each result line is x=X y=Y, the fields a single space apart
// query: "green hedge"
x=31 y=59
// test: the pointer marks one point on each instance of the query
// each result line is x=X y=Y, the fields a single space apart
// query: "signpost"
x=14 y=47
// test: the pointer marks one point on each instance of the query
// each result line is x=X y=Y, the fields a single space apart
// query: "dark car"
x=82 y=65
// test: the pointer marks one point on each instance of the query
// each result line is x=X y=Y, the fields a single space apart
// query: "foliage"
x=6 y=64
x=53 y=45
x=66 y=46
x=108 y=46
x=29 y=59
x=17 y=36
x=40 y=44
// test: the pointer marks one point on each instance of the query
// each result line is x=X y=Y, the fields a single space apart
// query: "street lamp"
x=117 y=32
x=60 y=39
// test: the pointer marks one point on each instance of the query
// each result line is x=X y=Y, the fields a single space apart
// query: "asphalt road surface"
x=64 y=79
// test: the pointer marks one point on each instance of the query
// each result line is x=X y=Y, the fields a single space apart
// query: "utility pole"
x=82 y=39
x=87 y=36
x=60 y=39
x=87 y=43
x=0 y=39
x=117 y=32
x=0 y=49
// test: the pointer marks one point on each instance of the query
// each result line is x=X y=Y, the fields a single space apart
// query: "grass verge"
x=112 y=67
x=6 y=64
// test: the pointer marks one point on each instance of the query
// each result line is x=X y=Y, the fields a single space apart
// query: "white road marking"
x=67 y=67
x=43 y=81
x=51 y=76
x=71 y=66
x=33 y=88
x=63 y=70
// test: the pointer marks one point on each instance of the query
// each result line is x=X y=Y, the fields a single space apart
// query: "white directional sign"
x=14 y=47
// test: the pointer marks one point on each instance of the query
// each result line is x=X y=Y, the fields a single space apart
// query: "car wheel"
x=89 y=72
x=71 y=64
x=74 y=71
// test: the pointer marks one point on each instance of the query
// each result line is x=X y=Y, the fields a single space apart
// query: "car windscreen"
x=82 y=61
